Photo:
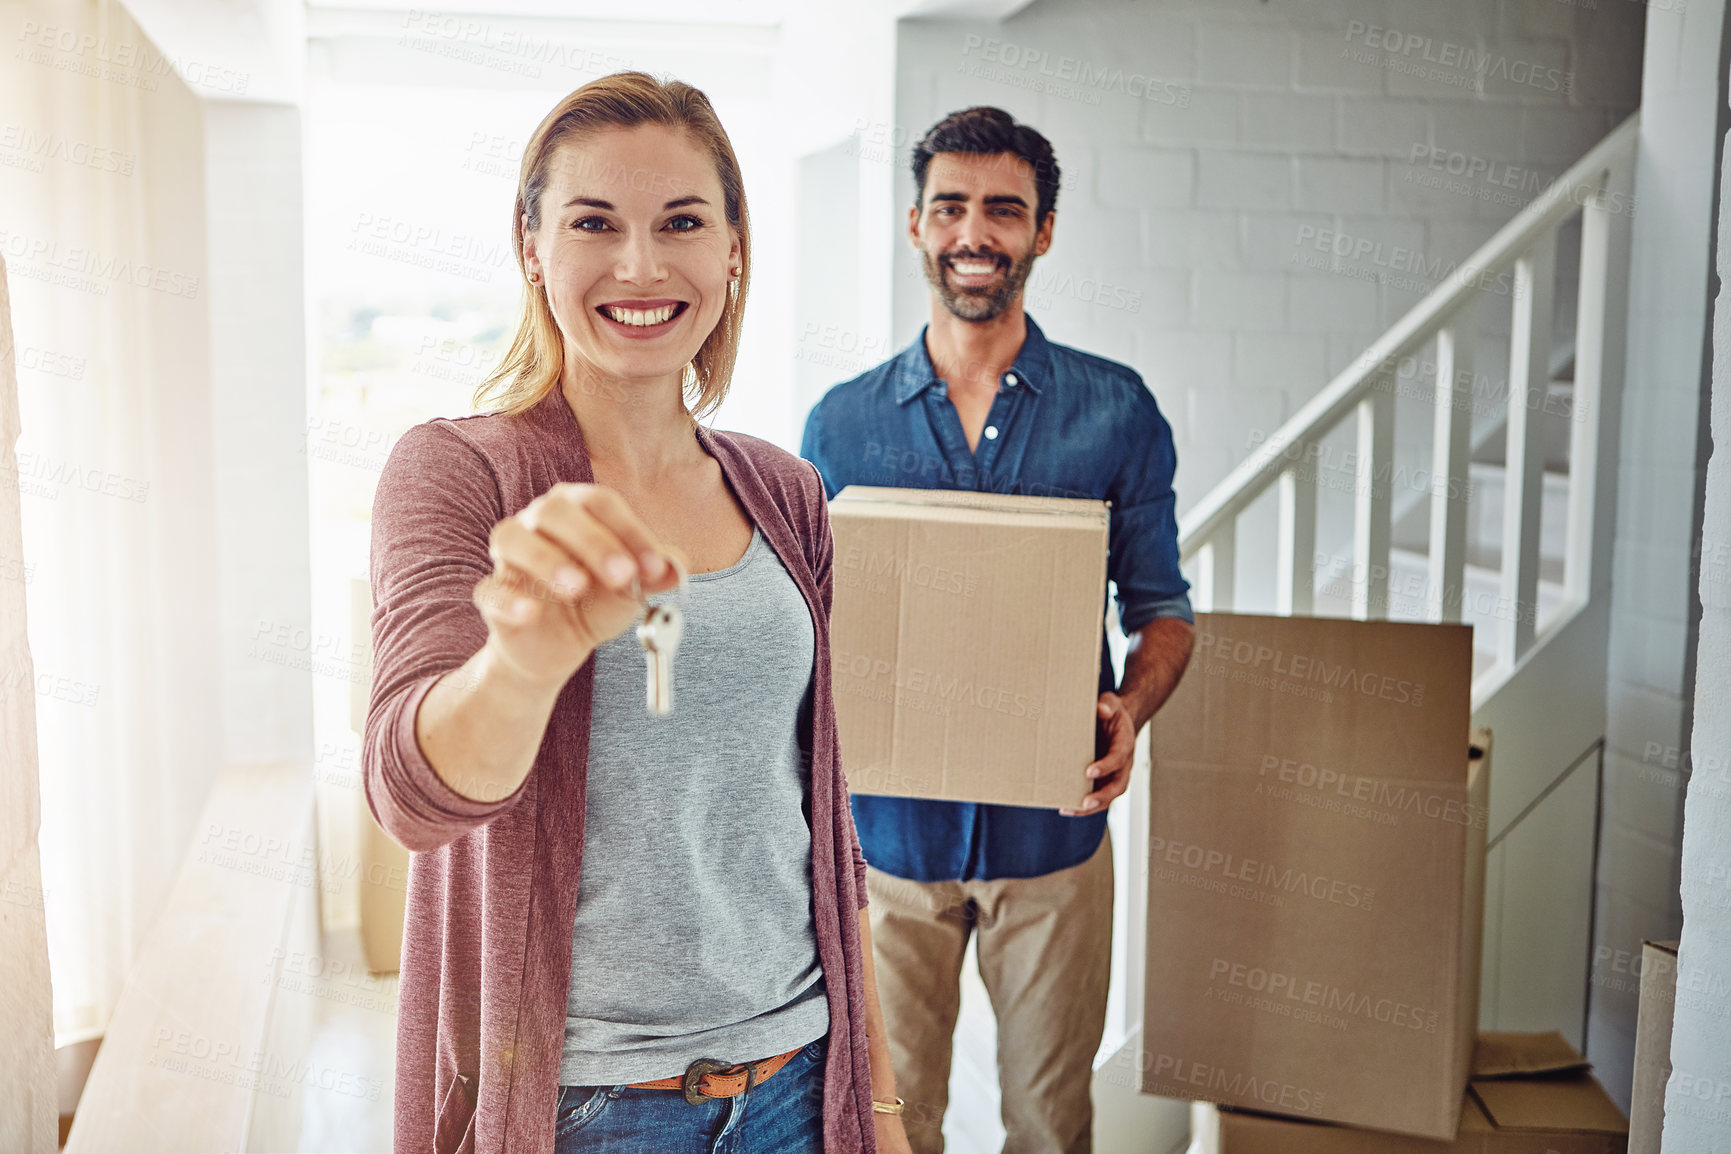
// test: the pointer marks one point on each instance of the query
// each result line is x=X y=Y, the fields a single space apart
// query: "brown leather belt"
x=711 y=1078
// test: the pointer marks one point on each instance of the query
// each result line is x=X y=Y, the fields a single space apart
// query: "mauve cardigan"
x=492 y=889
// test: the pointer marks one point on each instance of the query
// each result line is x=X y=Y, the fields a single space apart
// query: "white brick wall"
x=1262 y=124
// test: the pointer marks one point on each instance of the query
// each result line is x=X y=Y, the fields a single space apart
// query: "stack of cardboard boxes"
x=1316 y=898
x=1315 y=867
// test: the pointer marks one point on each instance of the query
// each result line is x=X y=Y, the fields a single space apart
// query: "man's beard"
x=981 y=304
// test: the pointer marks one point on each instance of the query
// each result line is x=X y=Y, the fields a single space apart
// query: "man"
x=983 y=401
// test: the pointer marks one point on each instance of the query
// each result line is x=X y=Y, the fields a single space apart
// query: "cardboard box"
x=1652 y=1046
x=1316 y=873
x=966 y=634
x=1548 y=1104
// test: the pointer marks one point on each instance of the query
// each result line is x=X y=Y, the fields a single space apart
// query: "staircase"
x=1503 y=524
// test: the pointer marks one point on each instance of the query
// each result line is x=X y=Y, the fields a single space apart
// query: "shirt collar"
x=914 y=374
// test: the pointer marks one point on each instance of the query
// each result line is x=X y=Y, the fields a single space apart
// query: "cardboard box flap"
x=942 y=504
x=1573 y=1103
x=1664 y=947
x=1339 y=701
x=1507 y=1055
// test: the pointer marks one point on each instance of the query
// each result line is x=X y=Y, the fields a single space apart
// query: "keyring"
x=638 y=595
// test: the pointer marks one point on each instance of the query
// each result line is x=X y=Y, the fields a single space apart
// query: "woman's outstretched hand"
x=565 y=569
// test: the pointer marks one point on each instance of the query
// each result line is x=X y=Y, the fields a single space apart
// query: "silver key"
x=659 y=633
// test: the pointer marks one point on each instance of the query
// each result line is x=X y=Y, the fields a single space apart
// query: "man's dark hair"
x=987 y=131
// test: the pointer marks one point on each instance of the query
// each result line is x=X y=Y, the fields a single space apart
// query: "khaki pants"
x=1045 y=952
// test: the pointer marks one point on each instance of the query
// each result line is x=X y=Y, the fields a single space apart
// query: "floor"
x=355 y=1032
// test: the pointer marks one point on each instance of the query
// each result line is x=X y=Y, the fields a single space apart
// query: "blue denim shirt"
x=1064 y=424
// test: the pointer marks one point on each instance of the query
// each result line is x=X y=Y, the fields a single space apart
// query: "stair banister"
x=1295 y=557
x=1524 y=470
x=1220 y=508
x=1525 y=249
x=1602 y=302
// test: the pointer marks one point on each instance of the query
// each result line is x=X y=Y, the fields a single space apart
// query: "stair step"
x=1485 y=522
x=1408 y=584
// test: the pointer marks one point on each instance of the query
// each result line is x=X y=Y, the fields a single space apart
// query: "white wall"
x=258 y=427
x=1698 y=1097
x=1660 y=486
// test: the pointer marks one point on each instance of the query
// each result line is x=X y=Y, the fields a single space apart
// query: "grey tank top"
x=694 y=935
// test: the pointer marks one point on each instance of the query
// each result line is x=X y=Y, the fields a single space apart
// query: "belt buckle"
x=695 y=1072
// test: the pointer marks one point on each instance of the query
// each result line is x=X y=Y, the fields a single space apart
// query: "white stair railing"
x=1446 y=321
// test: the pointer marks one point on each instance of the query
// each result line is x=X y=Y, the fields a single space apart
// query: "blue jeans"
x=784 y=1115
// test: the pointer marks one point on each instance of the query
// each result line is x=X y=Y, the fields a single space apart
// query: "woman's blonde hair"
x=536 y=360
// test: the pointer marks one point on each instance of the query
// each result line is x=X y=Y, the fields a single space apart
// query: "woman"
x=602 y=898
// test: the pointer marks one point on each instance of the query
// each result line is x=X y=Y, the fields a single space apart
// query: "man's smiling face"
x=975 y=231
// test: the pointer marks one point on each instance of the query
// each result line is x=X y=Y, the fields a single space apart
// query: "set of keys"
x=659 y=632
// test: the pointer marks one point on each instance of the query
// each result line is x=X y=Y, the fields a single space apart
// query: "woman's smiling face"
x=634 y=249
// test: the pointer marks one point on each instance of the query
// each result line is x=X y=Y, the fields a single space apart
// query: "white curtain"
x=27 y=1089
x=102 y=227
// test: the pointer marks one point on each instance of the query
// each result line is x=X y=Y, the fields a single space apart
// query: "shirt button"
x=1011 y=379
x=991 y=432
